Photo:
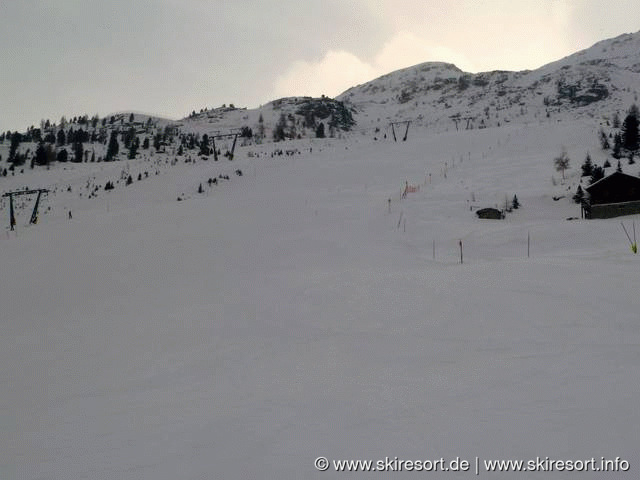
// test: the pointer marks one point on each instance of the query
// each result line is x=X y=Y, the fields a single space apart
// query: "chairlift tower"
x=406 y=132
x=34 y=214
x=233 y=133
x=469 y=120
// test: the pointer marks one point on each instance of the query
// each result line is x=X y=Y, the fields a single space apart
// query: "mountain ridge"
x=600 y=80
x=439 y=92
x=597 y=81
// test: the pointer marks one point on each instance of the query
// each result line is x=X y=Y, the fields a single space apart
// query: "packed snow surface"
x=294 y=312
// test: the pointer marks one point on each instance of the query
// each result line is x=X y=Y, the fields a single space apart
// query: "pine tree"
x=62 y=155
x=616 y=120
x=16 y=138
x=112 y=149
x=604 y=141
x=606 y=164
x=279 y=131
x=320 y=131
x=36 y=134
x=145 y=143
x=617 y=146
x=204 y=145
x=562 y=162
x=133 y=148
x=515 y=203
x=261 y=127
x=587 y=166
x=77 y=152
x=41 y=155
x=50 y=152
x=128 y=136
x=630 y=130
x=129 y=180
x=579 y=196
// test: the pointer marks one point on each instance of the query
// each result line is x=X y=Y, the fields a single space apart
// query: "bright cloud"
x=339 y=70
x=406 y=49
x=331 y=75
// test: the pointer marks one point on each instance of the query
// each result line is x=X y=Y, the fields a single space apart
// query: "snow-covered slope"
x=293 y=313
x=241 y=318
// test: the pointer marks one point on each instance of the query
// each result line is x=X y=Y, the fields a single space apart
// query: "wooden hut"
x=490 y=213
x=613 y=196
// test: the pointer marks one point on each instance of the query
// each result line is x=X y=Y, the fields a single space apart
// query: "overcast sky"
x=168 y=57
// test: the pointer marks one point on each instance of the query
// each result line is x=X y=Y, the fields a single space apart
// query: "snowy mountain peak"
x=597 y=81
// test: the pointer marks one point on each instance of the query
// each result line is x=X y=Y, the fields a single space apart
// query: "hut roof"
x=615 y=188
x=614 y=177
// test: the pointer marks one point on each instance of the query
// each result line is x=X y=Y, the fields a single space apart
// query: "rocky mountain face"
x=281 y=119
x=595 y=82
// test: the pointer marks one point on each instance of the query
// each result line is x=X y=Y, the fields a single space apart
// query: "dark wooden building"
x=615 y=195
x=490 y=214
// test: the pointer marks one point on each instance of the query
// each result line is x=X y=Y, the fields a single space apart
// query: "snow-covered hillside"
x=595 y=82
x=240 y=318
x=299 y=117
x=292 y=313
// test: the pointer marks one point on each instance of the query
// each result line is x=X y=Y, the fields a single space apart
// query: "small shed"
x=490 y=213
x=613 y=196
